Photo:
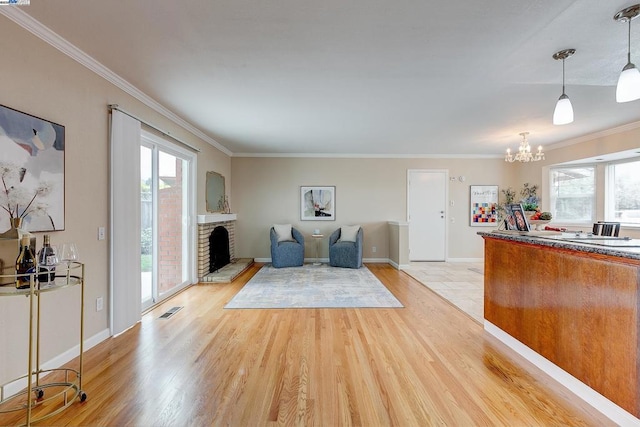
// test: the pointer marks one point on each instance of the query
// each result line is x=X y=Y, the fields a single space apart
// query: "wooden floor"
x=426 y=364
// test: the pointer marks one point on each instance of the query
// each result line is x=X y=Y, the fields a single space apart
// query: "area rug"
x=314 y=286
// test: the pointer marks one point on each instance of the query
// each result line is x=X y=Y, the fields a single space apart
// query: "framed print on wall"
x=484 y=205
x=31 y=171
x=318 y=203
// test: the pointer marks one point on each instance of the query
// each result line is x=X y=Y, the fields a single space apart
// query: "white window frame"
x=609 y=191
x=595 y=198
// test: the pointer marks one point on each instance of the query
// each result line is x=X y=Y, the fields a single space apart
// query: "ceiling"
x=369 y=77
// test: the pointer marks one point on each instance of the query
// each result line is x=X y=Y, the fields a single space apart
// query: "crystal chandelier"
x=524 y=152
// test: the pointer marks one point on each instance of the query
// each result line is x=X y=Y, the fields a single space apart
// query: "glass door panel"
x=146 y=226
x=165 y=197
x=172 y=222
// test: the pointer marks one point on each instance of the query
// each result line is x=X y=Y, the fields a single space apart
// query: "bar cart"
x=46 y=392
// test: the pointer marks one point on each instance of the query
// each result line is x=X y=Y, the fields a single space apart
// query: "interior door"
x=427 y=201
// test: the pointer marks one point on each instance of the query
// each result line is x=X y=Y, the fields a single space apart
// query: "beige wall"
x=373 y=191
x=369 y=192
x=39 y=80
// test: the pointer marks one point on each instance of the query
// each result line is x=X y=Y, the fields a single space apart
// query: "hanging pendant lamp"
x=563 y=112
x=628 y=88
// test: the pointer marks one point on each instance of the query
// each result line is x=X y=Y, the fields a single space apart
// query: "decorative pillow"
x=348 y=233
x=283 y=232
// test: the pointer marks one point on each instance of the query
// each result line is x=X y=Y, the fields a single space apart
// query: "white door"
x=427 y=201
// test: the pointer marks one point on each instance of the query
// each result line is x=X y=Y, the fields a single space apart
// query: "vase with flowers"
x=530 y=199
x=19 y=202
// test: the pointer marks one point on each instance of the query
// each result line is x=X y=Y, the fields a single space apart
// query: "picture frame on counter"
x=516 y=218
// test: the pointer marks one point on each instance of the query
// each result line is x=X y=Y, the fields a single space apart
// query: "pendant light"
x=628 y=88
x=563 y=112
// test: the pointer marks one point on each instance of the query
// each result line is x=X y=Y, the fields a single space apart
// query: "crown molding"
x=595 y=135
x=43 y=32
x=372 y=156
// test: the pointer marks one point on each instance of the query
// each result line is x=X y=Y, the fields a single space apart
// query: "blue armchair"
x=344 y=253
x=287 y=253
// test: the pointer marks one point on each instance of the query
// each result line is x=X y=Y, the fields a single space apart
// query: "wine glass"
x=68 y=253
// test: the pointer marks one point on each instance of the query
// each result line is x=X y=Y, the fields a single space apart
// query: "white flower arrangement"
x=18 y=201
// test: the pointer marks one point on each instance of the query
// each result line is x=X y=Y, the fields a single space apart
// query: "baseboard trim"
x=376 y=260
x=16 y=386
x=577 y=387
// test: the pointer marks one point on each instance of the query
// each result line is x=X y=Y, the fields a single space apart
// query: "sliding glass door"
x=166 y=209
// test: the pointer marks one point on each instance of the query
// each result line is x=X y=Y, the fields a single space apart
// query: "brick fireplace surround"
x=206 y=224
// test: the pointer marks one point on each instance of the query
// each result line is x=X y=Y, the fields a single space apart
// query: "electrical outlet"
x=374 y=249
x=100 y=233
x=99 y=304
x=453 y=220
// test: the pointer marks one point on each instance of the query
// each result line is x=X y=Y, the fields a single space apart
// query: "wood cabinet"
x=580 y=310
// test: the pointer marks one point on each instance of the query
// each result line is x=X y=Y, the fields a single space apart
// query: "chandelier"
x=524 y=152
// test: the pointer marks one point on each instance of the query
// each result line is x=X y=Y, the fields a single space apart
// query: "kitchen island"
x=574 y=301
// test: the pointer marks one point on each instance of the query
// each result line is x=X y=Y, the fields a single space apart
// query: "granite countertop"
x=619 y=247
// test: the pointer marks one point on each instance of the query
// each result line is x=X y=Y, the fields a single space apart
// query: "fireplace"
x=213 y=267
x=206 y=225
x=218 y=249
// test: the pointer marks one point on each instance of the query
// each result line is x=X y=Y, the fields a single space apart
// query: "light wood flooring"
x=422 y=365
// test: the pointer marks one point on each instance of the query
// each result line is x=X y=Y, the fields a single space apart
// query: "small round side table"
x=318 y=238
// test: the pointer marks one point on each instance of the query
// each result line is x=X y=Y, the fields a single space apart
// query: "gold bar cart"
x=48 y=391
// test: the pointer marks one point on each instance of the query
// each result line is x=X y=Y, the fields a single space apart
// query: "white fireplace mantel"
x=207 y=219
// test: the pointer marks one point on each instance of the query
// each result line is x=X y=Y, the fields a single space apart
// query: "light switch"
x=100 y=233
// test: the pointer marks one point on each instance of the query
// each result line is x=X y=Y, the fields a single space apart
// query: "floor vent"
x=171 y=312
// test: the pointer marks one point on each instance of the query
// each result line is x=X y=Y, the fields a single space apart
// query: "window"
x=573 y=194
x=623 y=192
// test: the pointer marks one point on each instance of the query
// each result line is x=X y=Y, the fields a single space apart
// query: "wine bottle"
x=46 y=263
x=25 y=264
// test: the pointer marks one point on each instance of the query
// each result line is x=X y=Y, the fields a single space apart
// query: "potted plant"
x=530 y=198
